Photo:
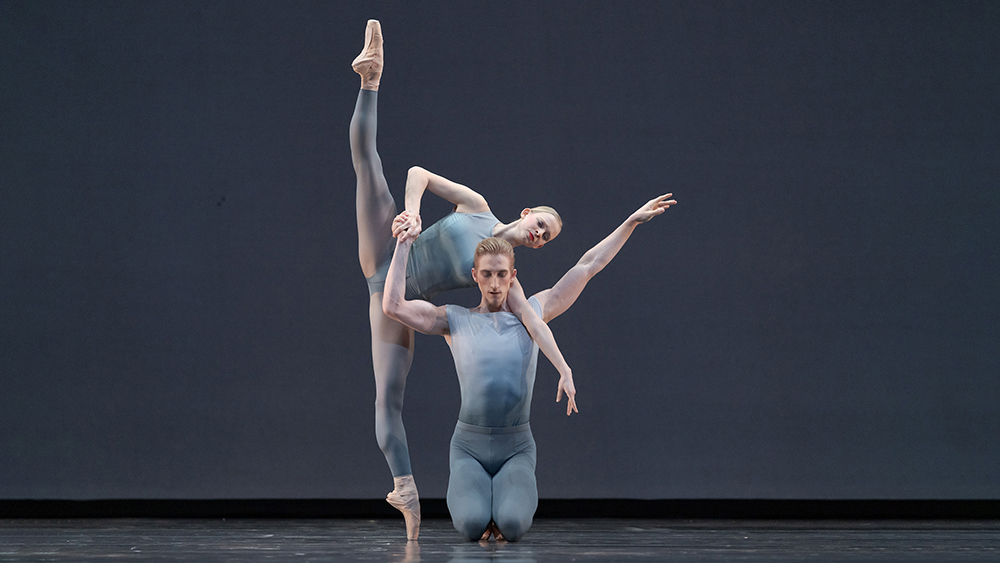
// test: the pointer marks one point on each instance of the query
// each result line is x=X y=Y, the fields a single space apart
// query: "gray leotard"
x=441 y=257
x=495 y=359
x=492 y=457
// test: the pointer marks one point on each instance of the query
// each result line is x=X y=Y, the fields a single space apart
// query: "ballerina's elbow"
x=588 y=264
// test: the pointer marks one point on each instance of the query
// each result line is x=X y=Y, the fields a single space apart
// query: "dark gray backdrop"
x=183 y=314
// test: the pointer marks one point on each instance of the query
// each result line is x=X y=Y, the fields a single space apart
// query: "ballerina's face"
x=537 y=228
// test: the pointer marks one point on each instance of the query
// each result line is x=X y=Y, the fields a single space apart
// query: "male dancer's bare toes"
x=369 y=63
x=404 y=498
x=492 y=530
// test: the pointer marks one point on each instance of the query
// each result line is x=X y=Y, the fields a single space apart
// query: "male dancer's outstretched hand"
x=406 y=226
x=653 y=208
x=566 y=386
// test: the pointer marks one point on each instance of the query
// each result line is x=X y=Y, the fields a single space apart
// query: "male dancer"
x=492 y=487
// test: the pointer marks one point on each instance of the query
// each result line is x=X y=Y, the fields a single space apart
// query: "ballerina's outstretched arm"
x=542 y=335
x=559 y=297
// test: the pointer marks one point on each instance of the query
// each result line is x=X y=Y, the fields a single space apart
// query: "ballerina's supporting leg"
x=392 y=354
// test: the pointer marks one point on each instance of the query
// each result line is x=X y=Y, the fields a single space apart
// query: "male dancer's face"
x=494 y=275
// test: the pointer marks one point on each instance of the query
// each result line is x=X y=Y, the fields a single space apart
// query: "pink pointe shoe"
x=404 y=498
x=369 y=63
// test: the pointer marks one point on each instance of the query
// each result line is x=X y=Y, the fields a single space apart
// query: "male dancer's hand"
x=653 y=208
x=566 y=386
x=406 y=226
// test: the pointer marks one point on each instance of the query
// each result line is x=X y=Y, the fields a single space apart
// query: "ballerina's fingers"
x=406 y=226
x=570 y=389
x=661 y=203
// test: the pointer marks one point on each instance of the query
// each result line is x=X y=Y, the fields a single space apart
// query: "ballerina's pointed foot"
x=369 y=63
x=405 y=499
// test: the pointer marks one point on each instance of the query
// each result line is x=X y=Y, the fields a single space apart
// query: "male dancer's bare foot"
x=404 y=498
x=369 y=63
x=492 y=530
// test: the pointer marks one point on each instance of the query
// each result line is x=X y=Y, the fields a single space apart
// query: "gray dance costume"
x=441 y=258
x=492 y=456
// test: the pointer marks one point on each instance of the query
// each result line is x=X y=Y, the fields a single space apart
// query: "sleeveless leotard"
x=495 y=359
x=441 y=258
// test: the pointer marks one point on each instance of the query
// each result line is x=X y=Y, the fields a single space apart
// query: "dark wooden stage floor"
x=586 y=540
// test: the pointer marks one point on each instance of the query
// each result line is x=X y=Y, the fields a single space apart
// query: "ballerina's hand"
x=653 y=208
x=406 y=226
x=566 y=386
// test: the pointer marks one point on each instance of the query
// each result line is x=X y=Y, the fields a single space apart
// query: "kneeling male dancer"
x=492 y=484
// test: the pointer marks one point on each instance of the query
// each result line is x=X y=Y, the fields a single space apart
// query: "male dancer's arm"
x=416 y=314
x=556 y=300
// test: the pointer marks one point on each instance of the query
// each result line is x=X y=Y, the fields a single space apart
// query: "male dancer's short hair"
x=494 y=245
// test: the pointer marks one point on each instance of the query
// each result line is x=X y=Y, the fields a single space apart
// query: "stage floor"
x=586 y=540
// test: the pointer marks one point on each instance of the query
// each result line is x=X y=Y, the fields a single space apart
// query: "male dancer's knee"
x=513 y=525
x=470 y=525
x=470 y=510
x=515 y=497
